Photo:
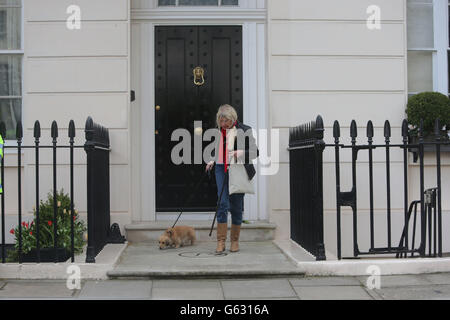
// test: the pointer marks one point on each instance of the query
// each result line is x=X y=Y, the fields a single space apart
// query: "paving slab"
x=432 y=292
x=325 y=281
x=398 y=280
x=145 y=259
x=261 y=288
x=36 y=290
x=332 y=293
x=268 y=298
x=437 y=278
x=116 y=289
x=187 y=290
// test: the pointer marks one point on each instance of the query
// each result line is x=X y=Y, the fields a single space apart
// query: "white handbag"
x=238 y=181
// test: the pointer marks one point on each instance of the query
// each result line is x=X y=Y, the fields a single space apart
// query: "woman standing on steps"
x=230 y=127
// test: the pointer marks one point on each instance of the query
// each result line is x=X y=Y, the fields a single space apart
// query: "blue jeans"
x=233 y=203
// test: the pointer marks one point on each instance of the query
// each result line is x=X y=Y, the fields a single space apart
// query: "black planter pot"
x=429 y=147
x=47 y=255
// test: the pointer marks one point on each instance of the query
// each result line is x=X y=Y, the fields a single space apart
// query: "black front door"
x=217 y=50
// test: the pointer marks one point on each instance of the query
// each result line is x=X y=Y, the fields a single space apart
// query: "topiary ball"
x=428 y=106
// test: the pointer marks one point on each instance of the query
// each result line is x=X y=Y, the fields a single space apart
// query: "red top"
x=223 y=150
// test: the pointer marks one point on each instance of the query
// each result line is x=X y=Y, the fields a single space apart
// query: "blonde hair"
x=228 y=112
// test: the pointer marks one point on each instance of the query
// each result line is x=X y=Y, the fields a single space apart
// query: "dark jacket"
x=244 y=136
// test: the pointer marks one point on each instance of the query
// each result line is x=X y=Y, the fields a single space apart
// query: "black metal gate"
x=306 y=146
x=430 y=199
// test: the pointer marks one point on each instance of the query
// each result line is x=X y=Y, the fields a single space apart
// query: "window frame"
x=441 y=45
x=17 y=52
x=440 y=49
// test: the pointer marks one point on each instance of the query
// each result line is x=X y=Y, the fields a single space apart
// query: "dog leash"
x=217 y=206
x=195 y=190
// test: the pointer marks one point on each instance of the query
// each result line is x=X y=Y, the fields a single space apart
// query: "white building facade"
x=344 y=60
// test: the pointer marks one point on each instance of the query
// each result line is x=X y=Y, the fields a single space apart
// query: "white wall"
x=73 y=74
x=324 y=60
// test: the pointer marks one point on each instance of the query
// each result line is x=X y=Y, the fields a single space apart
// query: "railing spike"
x=437 y=128
x=54 y=130
x=107 y=137
x=353 y=129
x=89 y=129
x=370 y=130
x=319 y=122
x=37 y=130
x=387 y=129
x=336 y=129
x=19 y=131
x=319 y=127
x=2 y=129
x=71 y=129
x=421 y=129
x=405 y=128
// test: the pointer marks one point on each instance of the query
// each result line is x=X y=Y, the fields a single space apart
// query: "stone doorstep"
x=256 y=259
x=202 y=274
x=151 y=231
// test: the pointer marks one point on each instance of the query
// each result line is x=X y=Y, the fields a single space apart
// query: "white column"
x=441 y=37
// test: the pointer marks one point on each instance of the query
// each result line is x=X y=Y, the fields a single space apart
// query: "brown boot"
x=222 y=229
x=235 y=231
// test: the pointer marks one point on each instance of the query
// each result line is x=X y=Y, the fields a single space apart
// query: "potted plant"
x=46 y=232
x=428 y=106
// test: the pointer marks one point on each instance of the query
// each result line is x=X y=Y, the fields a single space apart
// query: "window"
x=162 y=3
x=11 y=53
x=428 y=46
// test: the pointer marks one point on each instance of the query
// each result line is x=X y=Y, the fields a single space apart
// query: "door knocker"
x=199 y=73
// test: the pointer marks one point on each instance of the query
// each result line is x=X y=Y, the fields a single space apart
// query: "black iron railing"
x=97 y=148
x=306 y=147
x=98 y=211
x=306 y=158
x=429 y=199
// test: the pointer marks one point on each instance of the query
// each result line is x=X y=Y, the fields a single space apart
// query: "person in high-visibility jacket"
x=1 y=156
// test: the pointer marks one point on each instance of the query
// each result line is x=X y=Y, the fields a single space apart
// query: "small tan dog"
x=176 y=237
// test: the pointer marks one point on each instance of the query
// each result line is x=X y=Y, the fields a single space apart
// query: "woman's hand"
x=209 y=165
x=236 y=154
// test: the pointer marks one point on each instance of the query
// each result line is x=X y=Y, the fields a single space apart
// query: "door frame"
x=255 y=97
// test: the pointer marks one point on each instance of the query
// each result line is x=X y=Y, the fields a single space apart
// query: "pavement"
x=401 y=287
x=259 y=271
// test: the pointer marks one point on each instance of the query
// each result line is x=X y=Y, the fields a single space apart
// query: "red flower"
x=49 y=222
x=11 y=231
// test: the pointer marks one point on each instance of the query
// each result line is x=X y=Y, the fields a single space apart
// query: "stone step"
x=151 y=231
x=144 y=260
x=201 y=274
